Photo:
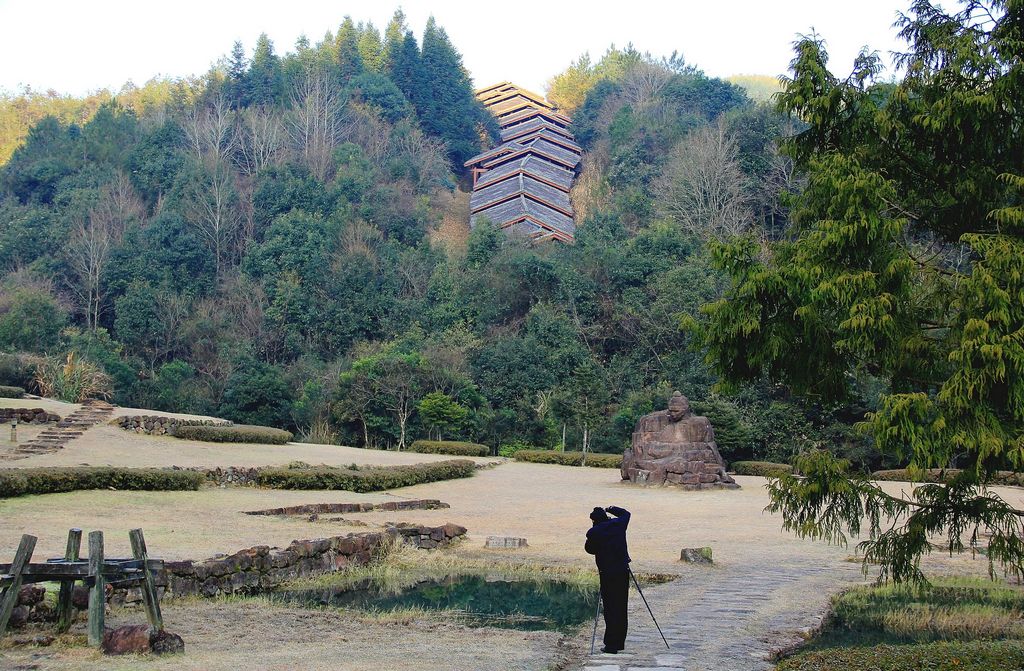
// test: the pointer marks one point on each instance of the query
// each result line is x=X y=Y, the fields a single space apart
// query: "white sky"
x=79 y=46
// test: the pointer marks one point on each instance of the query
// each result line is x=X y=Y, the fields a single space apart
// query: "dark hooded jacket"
x=607 y=542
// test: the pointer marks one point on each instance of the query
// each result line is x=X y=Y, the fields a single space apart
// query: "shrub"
x=52 y=480
x=766 y=469
x=450 y=447
x=595 y=459
x=18 y=370
x=11 y=392
x=236 y=433
x=1005 y=478
x=510 y=449
x=73 y=380
x=364 y=479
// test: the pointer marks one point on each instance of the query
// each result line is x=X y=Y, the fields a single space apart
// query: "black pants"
x=614 y=593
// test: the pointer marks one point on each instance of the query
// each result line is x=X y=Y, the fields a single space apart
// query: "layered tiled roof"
x=523 y=184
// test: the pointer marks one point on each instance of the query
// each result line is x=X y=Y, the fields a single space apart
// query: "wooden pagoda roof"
x=496 y=152
x=553 y=138
x=539 y=218
x=509 y=133
x=525 y=185
x=538 y=147
x=555 y=118
x=507 y=90
x=540 y=170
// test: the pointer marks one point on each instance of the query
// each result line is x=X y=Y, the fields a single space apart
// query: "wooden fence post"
x=74 y=548
x=10 y=596
x=97 y=595
x=148 y=585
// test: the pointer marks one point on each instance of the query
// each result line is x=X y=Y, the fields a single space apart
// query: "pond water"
x=478 y=600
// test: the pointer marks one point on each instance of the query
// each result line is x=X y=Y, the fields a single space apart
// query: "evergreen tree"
x=443 y=96
x=394 y=37
x=350 y=63
x=265 y=74
x=236 y=86
x=371 y=51
x=905 y=261
x=405 y=65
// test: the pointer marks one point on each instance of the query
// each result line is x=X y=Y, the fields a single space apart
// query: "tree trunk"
x=562 y=446
x=586 y=444
x=366 y=432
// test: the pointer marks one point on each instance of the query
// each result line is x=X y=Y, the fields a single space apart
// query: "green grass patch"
x=370 y=479
x=235 y=433
x=55 y=479
x=11 y=392
x=765 y=469
x=595 y=459
x=938 y=656
x=954 y=623
x=453 y=447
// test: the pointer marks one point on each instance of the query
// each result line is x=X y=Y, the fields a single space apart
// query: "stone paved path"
x=731 y=621
x=91 y=413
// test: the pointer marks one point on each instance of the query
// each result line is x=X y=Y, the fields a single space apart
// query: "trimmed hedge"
x=595 y=459
x=56 y=479
x=236 y=433
x=1006 y=478
x=766 y=469
x=371 y=479
x=938 y=656
x=11 y=392
x=452 y=447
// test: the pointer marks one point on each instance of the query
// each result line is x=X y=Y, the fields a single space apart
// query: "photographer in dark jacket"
x=606 y=540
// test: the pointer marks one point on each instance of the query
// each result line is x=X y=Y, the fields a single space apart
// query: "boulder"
x=166 y=643
x=696 y=555
x=505 y=542
x=127 y=640
x=30 y=595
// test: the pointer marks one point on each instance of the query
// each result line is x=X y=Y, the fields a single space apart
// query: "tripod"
x=597 y=615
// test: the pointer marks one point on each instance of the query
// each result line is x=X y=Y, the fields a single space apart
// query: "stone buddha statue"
x=675 y=447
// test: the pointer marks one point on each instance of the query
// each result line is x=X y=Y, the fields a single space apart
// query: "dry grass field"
x=547 y=504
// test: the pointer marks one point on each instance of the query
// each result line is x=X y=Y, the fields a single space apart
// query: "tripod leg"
x=593 y=636
x=641 y=592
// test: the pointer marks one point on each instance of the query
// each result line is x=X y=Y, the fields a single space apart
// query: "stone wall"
x=261 y=568
x=159 y=425
x=27 y=415
x=336 y=508
x=233 y=476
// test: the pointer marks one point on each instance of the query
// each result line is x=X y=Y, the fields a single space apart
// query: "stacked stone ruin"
x=522 y=185
x=159 y=425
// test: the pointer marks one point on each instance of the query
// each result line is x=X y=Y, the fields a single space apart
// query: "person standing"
x=606 y=540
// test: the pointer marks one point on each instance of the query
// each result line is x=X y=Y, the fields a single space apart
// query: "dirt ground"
x=546 y=504
x=226 y=636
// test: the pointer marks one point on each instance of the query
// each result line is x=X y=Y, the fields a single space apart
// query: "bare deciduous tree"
x=94 y=234
x=261 y=139
x=643 y=81
x=316 y=121
x=210 y=205
x=210 y=131
x=703 y=187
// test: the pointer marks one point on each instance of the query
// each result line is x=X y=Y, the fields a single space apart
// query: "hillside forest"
x=284 y=241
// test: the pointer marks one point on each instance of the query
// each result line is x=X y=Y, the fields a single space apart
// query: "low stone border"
x=261 y=568
x=27 y=416
x=324 y=508
x=158 y=425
